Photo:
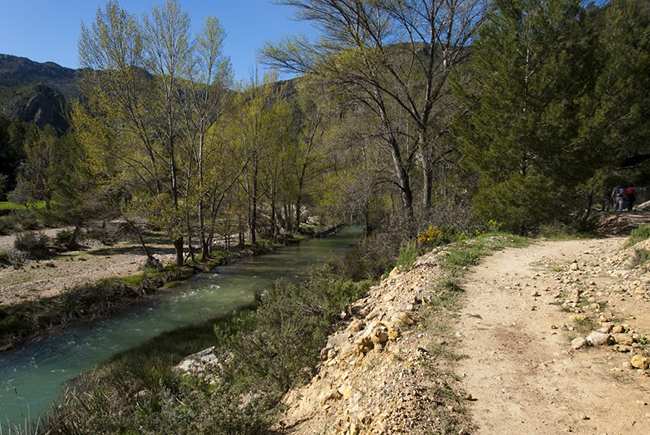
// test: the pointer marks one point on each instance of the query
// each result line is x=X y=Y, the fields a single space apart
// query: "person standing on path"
x=617 y=197
x=629 y=197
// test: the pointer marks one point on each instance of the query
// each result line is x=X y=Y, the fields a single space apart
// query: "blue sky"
x=47 y=30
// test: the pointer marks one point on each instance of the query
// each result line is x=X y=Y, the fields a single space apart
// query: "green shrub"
x=27 y=220
x=638 y=235
x=35 y=245
x=66 y=239
x=101 y=235
x=408 y=253
x=554 y=230
x=7 y=224
x=372 y=257
x=5 y=259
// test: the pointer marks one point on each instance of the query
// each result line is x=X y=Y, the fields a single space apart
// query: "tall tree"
x=151 y=90
x=204 y=100
x=392 y=57
x=34 y=180
x=530 y=66
x=619 y=107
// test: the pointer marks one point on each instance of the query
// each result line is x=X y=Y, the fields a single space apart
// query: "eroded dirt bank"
x=512 y=356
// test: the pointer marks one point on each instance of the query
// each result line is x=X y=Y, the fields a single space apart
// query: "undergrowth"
x=262 y=353
x=462 y=255
x=638 y=235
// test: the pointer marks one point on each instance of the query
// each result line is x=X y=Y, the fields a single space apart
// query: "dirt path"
x=523 y=307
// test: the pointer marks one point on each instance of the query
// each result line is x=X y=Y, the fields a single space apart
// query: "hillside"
x=16 y=72
x=33 y=91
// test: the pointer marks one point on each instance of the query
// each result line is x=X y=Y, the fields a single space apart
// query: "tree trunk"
x=404 y=184
x=427 y=180
x=253 y=218
x=178 y=246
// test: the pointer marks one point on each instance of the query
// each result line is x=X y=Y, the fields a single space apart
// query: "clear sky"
x=48 y=30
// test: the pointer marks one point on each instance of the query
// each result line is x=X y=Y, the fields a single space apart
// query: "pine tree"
x=530 y=67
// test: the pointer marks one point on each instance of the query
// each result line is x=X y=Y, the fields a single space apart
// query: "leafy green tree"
x=262 y=120
x=530 y=67
x=12 y=137
x=206 y=99
x=617 y=110
x=152 y=94
x=34 y=174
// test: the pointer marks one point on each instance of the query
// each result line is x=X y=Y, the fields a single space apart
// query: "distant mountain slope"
x=20 y=71
x=33 y=91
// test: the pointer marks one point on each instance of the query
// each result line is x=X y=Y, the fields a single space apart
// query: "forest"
x=403 y=115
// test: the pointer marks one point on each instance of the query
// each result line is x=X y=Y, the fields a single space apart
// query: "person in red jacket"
x=629 y=197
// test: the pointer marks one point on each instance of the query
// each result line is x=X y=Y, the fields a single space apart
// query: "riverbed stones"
x=624 y=339
x=578 y=343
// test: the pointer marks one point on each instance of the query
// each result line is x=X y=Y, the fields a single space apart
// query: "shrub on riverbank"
x=262 y=354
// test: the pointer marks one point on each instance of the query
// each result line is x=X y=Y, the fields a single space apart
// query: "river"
x=31 y=377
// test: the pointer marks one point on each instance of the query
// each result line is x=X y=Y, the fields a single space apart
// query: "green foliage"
x=617 y=110
x=532 y=63
x=468 y=253
x=638 y=235
x=7 y=205
x=5 y=259
x=408 y=253
x=372 y=257
x=65 y=239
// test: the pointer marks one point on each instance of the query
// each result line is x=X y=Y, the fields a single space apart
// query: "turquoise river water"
x=31 y=377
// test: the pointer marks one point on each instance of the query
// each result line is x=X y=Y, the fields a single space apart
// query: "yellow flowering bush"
x=432 y=236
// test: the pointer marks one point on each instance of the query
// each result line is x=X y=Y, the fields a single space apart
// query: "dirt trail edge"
x=522 y=309
x=547 y=339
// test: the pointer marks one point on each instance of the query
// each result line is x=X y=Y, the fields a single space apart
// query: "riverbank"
x=546 y=337
x=37 y=370
x=40 y=298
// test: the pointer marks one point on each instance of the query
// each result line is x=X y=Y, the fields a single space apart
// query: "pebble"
x=578 y=343
x=598 y=338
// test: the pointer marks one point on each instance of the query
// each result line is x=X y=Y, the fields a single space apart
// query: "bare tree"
x=392 y=57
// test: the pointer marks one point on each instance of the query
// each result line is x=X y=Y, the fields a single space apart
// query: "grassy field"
x=6 y=205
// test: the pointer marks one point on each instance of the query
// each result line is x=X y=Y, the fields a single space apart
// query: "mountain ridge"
x=36 y=92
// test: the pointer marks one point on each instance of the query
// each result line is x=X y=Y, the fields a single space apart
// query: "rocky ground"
x=517 y=355
x=46 y=278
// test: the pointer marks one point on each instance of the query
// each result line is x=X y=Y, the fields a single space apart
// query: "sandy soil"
x=47 y=278
x=520 y=368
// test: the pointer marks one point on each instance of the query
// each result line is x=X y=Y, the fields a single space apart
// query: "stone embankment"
x=384 y=371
